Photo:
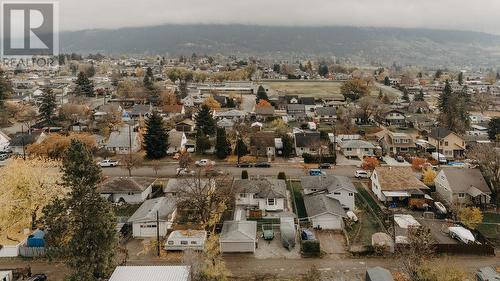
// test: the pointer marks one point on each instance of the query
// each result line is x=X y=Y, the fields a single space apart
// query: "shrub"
x=311 y=248
x=244 y=174
x=281 y=176
x=309 y=158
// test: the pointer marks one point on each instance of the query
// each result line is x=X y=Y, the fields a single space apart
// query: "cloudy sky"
x=476 y=15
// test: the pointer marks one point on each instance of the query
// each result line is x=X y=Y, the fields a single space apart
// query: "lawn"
x=311 y=88
x=299 y=200
x=362 y=231
x=491 y=231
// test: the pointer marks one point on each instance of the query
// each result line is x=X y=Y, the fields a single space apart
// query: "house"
x=130 y=190
x=357 y=148
x=396 y=185
x=232 y=114
x=227 y=124
x=176 y=141
x=462 y=186
x=140 y=111
x=111 y=109
x=262 y=144
x=180 y=240
x=397 y=143
x=309 y=104
x=296 y=111
x=324 y=212
x=174 y=186
x=419 y=107
x=451 y=145
x=144 y=220
x=21 y=141
x=395 y=118
x=173 y=110
x=151 y=273
x=121 y=141
x=4 y=141
x=238 y=237
x=263 y=194
x=264 y=112
x=307 y=142
x=337 y=187
x=326 y=114
x=186 y=125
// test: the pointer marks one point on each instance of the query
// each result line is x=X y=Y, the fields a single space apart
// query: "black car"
x=244 y=165
x=263 y=165
x=324 y=166
x=38 y=277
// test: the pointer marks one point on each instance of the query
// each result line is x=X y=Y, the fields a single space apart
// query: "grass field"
x=491 y=231
x=317 y=89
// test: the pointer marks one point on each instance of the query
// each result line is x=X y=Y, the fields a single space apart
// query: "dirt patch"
x=332 y=242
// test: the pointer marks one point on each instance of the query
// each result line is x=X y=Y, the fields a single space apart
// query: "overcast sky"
x=476 y=15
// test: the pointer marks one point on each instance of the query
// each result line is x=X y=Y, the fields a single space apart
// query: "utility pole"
x=22 y=142
x=334 y=125
x=438 y=153
x=238 y=146
x=130 y=149
x=158 y=233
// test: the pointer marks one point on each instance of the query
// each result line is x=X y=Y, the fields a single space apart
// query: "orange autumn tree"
x=370 y=163
x=54 y=145
x=418 y=163
x=263 y=103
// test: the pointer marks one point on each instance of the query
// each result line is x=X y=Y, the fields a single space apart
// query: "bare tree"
x=483 y=101
x=130 y=162
x=419 y=249
x=488 y=158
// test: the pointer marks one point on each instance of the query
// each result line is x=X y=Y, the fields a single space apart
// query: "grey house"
x=238 y=237
x=357 y=148
x=324 y=212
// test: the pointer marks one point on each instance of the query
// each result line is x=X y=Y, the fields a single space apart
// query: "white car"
x=362 y=174
x=108 y=163
x=185 y=172
x=204 y=162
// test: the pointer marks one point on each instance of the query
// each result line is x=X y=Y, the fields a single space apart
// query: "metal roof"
x=150 y=273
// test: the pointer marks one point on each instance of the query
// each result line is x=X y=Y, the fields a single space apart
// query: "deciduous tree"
x=470 y=217
x=212 y=103
x=354 y=89
x=370 y=163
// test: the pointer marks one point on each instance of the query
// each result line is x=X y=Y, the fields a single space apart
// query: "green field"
x=312 y=88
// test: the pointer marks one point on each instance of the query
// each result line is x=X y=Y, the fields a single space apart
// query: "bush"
x=310 y=248
x=281 y=176
x=244 y=174
x=308 y=158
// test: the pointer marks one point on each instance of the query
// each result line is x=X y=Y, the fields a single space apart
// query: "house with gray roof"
x=144 y=221
x=130 y=190
x=326 y=114
x=238 y=237
x=122 y=140
x=265 y=194
x=296 y=111
x=324 y=212
x=151 y=273
x=307 y=142
x=337 y=187
x=357 y=148
x=462 y=186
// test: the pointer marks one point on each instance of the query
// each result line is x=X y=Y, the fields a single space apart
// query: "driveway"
x=343 y=161
x=331 y=242
x=393 y=162
x=274 y=249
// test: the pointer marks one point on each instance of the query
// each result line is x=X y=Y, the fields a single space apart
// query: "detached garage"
x=238 y=237
x=325 y=212
x=144 y=221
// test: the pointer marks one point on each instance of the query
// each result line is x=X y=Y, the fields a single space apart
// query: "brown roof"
x=125 y=184
x=176 y=108
x=461 y=179
x=264 y=110
x=398 y=178
x=262 y=139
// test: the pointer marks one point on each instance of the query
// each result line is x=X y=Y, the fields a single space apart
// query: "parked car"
x=316 y=172
x=440 y=208
x=204 y=162
x=244 y=165
x=361 y=174
x=185 y=172
x=214 y=173
x=38 y=277
x=325 y=166
x=461 y=234
x=108 y=163
x=263 y=165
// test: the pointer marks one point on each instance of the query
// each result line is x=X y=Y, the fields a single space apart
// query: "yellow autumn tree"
x=27 y=187
x=470 y=217
x=212 y=103
x=442 y=271
x=429 y=176
x=54 y=145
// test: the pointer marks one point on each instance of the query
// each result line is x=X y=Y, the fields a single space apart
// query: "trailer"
x=287 y=232
x=462 y=234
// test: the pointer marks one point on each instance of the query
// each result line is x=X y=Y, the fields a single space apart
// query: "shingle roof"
x=398 y=178
x=175 y=138
x=264 y=110
x=17 y=140
x=263 y=187
x=461 y=179
x=356 y=144
x=262 y=139
x=330 y=183
x=165 y=206
x=326 y=111
x=151 y=273
x=307 y=139
x=320 y=204
x=121 y=138
x=239 y=231
x=125 y=184
x=439 y=133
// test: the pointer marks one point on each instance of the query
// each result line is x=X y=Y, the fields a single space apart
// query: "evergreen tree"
x=419 y=96
x=287 y=145
x=438 y=74
x=222 y=145
x=406 y=96
x=5 y=88
x=148 y=80
x=156 y=137
x=202 y=142
x=461 y=78
x=84 y=86
x=261 y=94
x=230 y=103
x=387 y=81
x=240 y=149
x=48 y=106
x=453 y=109
x=82 y=224
x=323 y=70
x=205 y=121
x=494 y=128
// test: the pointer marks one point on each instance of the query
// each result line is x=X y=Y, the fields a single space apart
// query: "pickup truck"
x=108 y=163
x=204 y=162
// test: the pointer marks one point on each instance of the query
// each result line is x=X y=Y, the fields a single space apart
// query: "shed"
x=324 y=212
x=180 y=240
x=378 y=274
x=238 y=237
x=487 y=274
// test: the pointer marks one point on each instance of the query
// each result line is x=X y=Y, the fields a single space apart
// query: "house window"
x=130 y=193
x=193 y=242
x=349 y=149
x=184 y=242
x=461 y=195
x=336 y=193
x=445 y=143
x=170 y=242
x=271 y=202
x=243 y=195
x=351 y=194
x=366 y=149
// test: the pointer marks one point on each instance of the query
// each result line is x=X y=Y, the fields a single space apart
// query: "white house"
x=180 y=240
x=265 y=194
x=144 y=220
x=176 y=141
x=462 y=186
x=357 y=148
x=131 y=190
x=307 y=142
x=238 y=237
x=337 y=187
x=4 y=141
x=151 y=273
x=121 y=141
x=396 y=184
x=324 y=212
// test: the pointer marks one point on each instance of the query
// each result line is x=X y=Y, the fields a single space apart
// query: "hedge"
x=309 y=158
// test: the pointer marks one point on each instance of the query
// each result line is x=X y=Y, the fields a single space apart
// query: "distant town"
x=220 y=167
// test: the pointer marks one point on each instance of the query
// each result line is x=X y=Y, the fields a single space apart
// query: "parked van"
x=316 y=172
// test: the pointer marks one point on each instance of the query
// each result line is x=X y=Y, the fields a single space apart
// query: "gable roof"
x=326 y=111
x=151 y=273
x=330 y=183
x=307 y=139
x=173 y=108
x=262 y=139
x=264 y=110
x=238 y=231
x=462 y=179
x=439 y=133
x=125 y=184
x=296 y=107
x=320 y=204
x=357 y=144
x=121 y=138
x=175 y=138
x=398 y=178
x=165 y=206
x=262 y=187
x=140 y=109
x=308 y=100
